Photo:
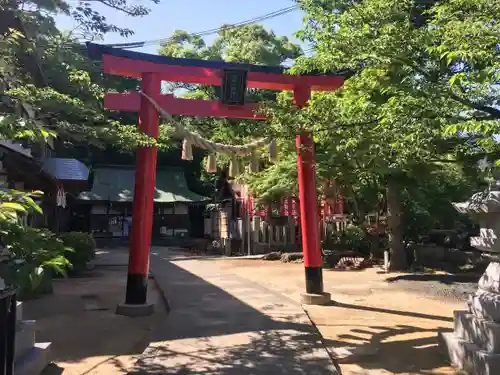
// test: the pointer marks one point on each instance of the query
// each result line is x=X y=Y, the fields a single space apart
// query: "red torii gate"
x=153 y=69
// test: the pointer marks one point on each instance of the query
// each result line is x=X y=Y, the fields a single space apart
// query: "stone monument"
x=474 y=345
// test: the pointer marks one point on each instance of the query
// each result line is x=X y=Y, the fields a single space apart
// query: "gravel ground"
x=442 y=286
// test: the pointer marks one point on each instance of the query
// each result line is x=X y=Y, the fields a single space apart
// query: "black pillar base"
x=137 y=289
x=314 y=280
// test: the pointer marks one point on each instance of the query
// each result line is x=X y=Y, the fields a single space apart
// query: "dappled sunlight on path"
x=373 y=328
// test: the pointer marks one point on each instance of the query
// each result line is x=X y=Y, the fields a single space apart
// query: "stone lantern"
x=474 y=345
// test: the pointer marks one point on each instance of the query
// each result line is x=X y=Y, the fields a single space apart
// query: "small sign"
x=234 y=86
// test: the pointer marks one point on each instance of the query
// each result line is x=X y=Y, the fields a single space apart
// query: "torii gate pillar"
x=309 y=218
x=136 y=303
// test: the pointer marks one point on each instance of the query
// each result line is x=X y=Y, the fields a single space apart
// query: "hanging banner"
x=61 y=197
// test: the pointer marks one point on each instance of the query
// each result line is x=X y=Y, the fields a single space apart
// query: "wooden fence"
x=256 y=235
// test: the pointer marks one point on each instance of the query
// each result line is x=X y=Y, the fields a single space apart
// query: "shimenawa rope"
x=194 y=139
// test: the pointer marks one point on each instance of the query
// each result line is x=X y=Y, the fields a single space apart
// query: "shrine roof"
x=66 y=169
x=116 y=184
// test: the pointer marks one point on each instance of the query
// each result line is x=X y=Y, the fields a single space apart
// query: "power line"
x=261 y=18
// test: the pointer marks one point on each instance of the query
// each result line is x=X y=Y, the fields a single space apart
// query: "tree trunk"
x=397 y=259
x=357 y=211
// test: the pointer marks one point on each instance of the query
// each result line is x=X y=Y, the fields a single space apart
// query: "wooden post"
x=142 y=219
x=256 y=229
x=309 y=214
x=264 y=231
x=291 y=230
x=271 y=231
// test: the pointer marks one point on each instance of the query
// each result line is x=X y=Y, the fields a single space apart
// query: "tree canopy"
x=48 y=70
x=250 y=43
x=49 y=91
x=423 y=93
x=419 y=103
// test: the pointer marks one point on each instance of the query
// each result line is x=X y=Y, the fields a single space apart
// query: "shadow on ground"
x=79 y=320
x=412 y=314
x=394 y=349
x=211 y=332
x=257 y=340
x=441 y=278
x=369 y=348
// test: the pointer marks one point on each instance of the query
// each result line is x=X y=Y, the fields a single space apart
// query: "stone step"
x=34 y=361
x=469 y=357
x=25 y=337
x=485 y=334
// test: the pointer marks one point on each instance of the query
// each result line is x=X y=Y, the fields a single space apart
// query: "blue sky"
x=194 y=16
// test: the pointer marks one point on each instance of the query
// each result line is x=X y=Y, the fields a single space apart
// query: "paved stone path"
x=221 y=324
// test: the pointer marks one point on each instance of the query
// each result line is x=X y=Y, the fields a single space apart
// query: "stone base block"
x=315 y=299
x=485 y=305
x=25 y=338
x=483 y=333
x=490 y=281
x=468 y=357
x=135 y=310
x=34 y=361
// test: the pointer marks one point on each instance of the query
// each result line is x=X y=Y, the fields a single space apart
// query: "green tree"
x=48 y=70
x=423 y=89
x=247 y=44
x=250 y=43
x=49 y=89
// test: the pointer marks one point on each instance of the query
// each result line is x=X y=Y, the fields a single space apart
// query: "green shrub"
x=34 y=256
x=83 y=246
x=354 y=237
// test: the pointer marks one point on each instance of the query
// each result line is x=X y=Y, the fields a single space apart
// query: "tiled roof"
x=16 y=147
x=66 y=169
x=117 y=185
